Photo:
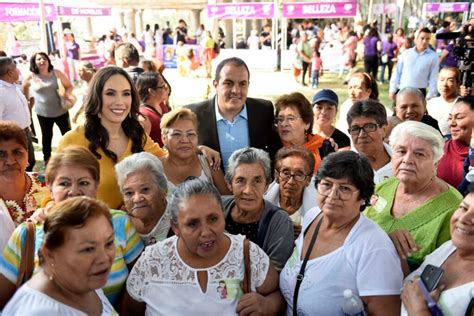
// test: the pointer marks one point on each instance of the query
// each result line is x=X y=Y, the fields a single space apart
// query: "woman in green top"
x=415 y=206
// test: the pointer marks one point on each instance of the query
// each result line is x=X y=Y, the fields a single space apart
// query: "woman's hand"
x=404 y=243
x=212 y=156
x=413 y=298
x=38 y=216
x=252 y=304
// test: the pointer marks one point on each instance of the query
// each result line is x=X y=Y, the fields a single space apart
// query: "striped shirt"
x=128 y=248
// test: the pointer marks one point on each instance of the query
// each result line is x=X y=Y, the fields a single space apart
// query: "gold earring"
x=51 y=275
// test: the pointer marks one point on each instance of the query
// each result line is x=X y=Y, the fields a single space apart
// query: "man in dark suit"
x=230 y=120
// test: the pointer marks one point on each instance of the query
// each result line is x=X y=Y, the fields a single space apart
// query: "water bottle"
x=352 y=305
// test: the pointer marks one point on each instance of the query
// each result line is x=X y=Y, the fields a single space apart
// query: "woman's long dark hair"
x=94 y=131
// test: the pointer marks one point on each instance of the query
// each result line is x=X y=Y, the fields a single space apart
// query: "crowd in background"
x=236 y=205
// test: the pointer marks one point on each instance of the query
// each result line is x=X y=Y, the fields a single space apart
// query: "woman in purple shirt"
x=372 y=48
x=389 y=51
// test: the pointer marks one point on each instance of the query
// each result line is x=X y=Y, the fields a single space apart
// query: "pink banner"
x=389 y=8
x=21 y=12
x=435 y=7
x=247 y=10
x=78 y=11
x=297 y=10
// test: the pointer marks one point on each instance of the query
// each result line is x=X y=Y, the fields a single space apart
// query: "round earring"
x=51 y=275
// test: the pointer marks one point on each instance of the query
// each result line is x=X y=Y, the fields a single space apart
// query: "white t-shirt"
x=453 y=301
x=386 y=171
x=30 y=302
x=253 y=41
x=169 y=286
x=366 y=263
x=341 y=121
x=439 y=109
x=309 y=199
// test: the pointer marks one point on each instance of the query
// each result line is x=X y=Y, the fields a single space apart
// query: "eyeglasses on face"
x=367 y=128
x=290 y=119
x=343 y=191
x=286 y=175
x=180 y=135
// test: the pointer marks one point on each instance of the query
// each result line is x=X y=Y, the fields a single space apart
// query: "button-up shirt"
x=232 y=135
x=13 y=105
x=417 y=70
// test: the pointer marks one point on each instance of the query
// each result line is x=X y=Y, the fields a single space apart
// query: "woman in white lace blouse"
x=200 y=269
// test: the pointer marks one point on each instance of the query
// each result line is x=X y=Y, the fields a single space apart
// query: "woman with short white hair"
x=144 y=187
x=415 y=206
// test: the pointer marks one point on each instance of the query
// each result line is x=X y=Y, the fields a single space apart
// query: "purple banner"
x=247 y=10
x=78 y=11
x=319 y=9
x=434 y=7
x=20 y=12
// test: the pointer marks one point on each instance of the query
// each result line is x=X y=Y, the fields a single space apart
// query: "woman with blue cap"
x=325 y=104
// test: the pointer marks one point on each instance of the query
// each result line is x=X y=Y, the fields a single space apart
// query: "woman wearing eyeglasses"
x=179 y=133
x=341 y=249
x=293 y=189
x=153 y=92
x=294 y=119
x=415 y=206
x=367 y=121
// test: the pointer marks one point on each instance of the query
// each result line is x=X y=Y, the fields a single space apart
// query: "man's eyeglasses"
x=344 y=192
x=368 y=128
x=290 y=119
x=285 y=175
x=181 y=135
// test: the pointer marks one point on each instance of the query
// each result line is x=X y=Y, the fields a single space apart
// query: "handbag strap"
x=246 y=281
x=27 y=255
x=205 y=167
x=300 y=276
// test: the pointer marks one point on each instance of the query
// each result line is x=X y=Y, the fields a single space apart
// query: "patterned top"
x=31 y=200
x=169 y=286
x=160 y=231
x=128 y=248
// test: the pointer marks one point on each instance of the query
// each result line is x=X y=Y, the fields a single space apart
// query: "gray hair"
x=188 y=189
x=249 y=155
x=141 y=161
x=421 y=131
x=415 y=91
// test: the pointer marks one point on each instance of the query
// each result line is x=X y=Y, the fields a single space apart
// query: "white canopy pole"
x=43 y=43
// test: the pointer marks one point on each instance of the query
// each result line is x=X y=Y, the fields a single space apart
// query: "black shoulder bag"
x=300 y=276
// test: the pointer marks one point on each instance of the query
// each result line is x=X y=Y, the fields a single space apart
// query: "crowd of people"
x=236 y=205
